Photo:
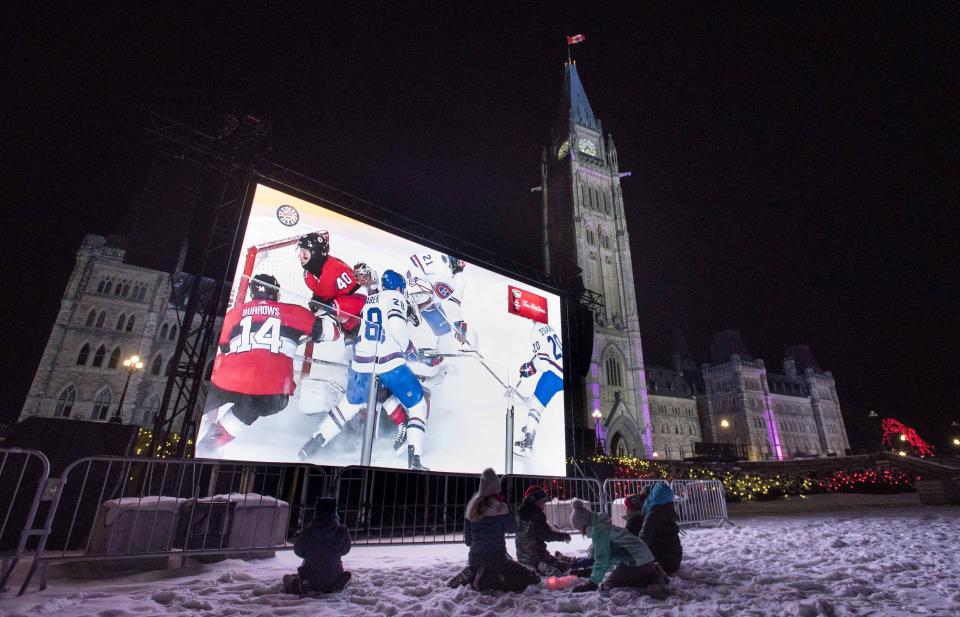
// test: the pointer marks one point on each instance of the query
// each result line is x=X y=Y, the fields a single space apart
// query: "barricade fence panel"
x=700 y=501
x=561 y=491
x=615 y=490
x=23 y=480
x=390 y=506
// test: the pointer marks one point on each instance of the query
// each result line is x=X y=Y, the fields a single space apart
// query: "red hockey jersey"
x=336 y=288
x=257 y=344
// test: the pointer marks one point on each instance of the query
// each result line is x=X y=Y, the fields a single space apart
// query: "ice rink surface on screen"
x=465 y=428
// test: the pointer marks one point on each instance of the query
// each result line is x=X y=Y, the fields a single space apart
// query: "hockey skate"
x=413 y=460
x=311 y=449
x=213 y=441
x=524 y=446
x=401 y=439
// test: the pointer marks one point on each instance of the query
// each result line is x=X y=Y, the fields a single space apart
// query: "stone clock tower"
x=586 y=229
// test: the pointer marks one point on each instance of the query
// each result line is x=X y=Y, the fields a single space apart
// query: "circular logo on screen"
x=288 y=215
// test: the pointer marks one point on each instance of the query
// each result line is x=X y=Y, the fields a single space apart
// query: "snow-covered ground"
x=894 y=560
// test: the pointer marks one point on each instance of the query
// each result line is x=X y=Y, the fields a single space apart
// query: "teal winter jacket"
x=612 y=546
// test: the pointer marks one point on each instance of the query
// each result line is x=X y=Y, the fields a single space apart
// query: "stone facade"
x=110 y=311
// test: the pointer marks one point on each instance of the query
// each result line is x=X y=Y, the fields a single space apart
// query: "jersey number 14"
x=267 y=335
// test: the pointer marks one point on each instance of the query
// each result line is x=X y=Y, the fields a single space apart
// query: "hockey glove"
x=588 y=586
x=413 y=316
x=411 y=353
x=460 y=331
x=527 y=369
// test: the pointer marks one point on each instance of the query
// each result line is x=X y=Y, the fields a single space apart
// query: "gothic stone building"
x=110 y=310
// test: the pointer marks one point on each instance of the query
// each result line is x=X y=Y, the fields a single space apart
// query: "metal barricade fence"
x=111 y=508
x=700 y=501
x=23 y=479
x=396 y=506
x=561 y=490
x=616 y=489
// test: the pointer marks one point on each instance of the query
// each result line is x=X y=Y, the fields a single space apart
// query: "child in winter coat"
x=660 y=531
x=533 y=533
x=620 y=558
x=634 y=507
x=321 y=544
x=487 y=520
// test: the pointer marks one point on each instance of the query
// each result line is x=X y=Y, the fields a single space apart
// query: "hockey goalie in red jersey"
x=253 y=371
x=333 y=283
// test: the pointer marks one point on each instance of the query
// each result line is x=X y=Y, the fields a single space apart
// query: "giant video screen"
x=344 y=344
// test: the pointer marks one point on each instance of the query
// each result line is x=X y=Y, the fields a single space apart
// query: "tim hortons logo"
x=526 y=304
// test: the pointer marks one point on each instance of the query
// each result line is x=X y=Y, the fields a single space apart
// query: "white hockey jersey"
x=432 y=281
x=547 y=349
x=383 y=333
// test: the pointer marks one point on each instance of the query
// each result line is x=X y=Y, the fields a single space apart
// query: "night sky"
x=795 y=168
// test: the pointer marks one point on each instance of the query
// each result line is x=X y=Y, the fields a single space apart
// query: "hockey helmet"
x=366 y=275
x=264 y=287
x=456 y=265
x=393 y=280
x=317 y=242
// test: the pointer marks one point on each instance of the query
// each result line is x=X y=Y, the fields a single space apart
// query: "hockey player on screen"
x=436 y=287
x=380 y=350
x=541 y=379
x=332 y=282
x=253 y=371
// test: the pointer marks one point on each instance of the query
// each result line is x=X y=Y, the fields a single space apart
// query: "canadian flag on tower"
x=576 y=38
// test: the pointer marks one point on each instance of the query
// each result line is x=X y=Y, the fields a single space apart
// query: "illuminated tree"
x=895 y=432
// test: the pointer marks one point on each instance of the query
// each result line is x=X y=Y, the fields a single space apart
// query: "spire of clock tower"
x=579 y=108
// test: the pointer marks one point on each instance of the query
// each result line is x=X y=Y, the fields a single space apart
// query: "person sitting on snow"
x=659 y=529
x=321 y=544
x=488 y=519
x=620 y=558
x=634 y=507
x=533 y=533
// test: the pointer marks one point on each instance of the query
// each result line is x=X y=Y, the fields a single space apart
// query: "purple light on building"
x=772 y=433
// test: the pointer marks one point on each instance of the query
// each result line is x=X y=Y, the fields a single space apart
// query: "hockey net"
x=278 y=259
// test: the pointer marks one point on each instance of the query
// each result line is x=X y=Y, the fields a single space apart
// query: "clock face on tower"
x=562 y=151
x=587 y=146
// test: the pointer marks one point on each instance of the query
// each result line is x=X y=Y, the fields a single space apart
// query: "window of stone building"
x=676 y=429
x=101 y=405
x=98 y=356
x=142 y=292
x=65 y=402
x=170 y=367
x=83 y=355
x=126 y=289
x=101 y=319
x=157 y=365
x=614 y=372
x=173 y=332
x=130 y=323
x=91 y=318
x=114 y=358
x=590 y=236
x=105 y=285
x=150 y=411
x=121 y=321
x=163 y=331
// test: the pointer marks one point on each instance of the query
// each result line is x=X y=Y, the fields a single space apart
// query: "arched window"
x=170 y=368
x=83 y=355
x=131 y=322
x=102 y=318
x=91 y=318
x=121 y=321
x=65 y=402
x=101 y=405
x=614 y=373
x=101 y=285
x=157 y=365
x=141 y=292
x=126 y=290
x=98 y=357
x=173 y=333
x=163 y=331
x=119 y=289
x=114 y=358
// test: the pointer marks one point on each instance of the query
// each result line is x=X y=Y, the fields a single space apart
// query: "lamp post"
x=598 y=429
x=131 y=365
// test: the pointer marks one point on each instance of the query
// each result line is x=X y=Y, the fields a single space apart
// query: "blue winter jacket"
x=486 y=534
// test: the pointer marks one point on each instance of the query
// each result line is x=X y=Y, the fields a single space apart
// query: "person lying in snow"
x=533 y=533
x=487 y=520
x=620 y=558
x=321 y=544
x=659 y=529
x=634 y=507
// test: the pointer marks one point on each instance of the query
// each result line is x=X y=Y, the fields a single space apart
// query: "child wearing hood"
x=488 y=519
x=533 y=533
x=620 y=558
x=659 y=530
x=633 y=504
x=321 y=544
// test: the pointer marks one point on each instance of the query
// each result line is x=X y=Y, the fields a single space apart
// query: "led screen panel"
x=333 y=322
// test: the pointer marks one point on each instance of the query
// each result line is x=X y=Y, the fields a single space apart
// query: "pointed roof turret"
x=579 y=107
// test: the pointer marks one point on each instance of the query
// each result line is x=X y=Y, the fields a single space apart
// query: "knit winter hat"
x=581 y=515
x=535 y=493
x=325 y=505
x=489 y=483
x=633 y=503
